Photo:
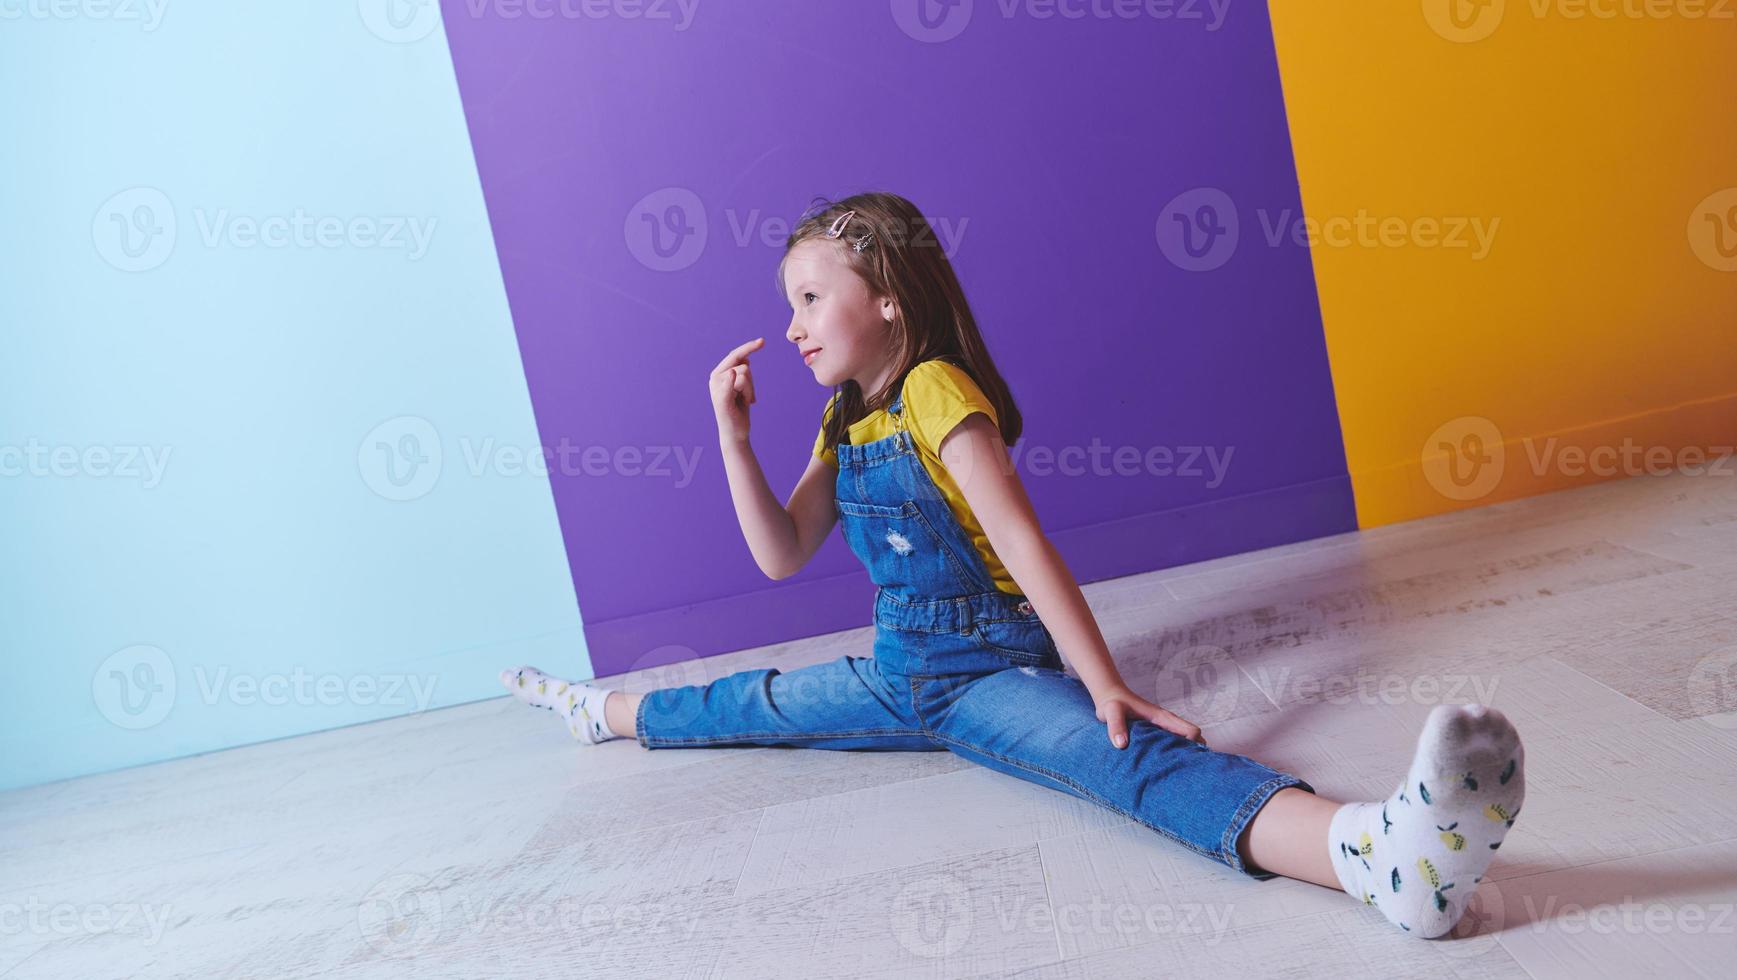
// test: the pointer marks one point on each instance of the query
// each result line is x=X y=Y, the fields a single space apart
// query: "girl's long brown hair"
x=904 y=260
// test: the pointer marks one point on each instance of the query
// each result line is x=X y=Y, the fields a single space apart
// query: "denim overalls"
x=960 y=665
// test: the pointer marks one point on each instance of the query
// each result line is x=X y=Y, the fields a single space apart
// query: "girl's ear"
x=889 y=309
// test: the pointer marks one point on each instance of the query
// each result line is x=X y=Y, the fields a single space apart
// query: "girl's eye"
x=809 y=296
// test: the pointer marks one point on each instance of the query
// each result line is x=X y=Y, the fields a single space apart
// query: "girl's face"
x=837 y=317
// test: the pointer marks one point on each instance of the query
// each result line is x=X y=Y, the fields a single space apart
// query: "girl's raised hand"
x=732 y=384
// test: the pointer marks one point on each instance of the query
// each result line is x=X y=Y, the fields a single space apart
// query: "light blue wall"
x=267 y=550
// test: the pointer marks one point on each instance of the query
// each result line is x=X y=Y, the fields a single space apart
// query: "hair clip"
x=862 y=242
x=838 y=225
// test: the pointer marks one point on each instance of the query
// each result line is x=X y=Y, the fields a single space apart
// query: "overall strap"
x=897 y=409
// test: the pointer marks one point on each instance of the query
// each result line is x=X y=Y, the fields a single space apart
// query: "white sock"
x=579 y=704
x=1419 y=854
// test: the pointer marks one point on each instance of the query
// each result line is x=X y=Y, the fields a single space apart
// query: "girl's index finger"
x=739 y=355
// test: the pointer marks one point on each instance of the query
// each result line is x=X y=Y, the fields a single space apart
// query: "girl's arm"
x=976 y=458
x=781 y=538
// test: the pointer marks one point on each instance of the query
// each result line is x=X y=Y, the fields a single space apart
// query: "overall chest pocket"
x=900 y=547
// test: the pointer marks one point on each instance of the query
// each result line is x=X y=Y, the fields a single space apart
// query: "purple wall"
x=1054 y=149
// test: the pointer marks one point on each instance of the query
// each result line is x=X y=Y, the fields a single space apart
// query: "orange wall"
x=1598 y=308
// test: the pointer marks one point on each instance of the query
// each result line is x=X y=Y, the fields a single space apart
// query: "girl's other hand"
x=1116 y=707
x=732 y=385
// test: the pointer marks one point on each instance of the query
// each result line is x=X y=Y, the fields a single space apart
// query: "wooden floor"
x=481 y=841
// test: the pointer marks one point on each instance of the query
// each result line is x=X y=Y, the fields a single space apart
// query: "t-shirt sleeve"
x=939 y=395
x=821 y=449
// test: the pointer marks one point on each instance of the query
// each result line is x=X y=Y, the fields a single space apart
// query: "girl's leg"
x=842 y=704
x=1040 y=724
x=1285 y=837
x=620 y=709
x=845 y=703
x=1417 y=856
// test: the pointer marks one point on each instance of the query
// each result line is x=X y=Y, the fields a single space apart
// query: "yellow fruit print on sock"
x=1434 y=879
x=1453 y=841
x=1429 y=873
x=1366 y=844
x=1496 y=811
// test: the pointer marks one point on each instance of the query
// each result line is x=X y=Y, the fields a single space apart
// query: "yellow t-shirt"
x=938 y=396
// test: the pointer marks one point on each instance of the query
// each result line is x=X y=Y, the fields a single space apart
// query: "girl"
x=974 y=609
